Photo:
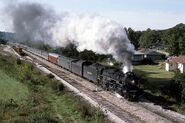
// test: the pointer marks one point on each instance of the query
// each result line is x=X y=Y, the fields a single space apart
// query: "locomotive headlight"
x=133 y=82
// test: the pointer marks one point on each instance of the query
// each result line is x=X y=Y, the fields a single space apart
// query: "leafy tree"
x=149 y=38
x=45 y=47
x=134 y=36
x=174 y=39
x=179 y=80
x=70 y=51
x=2 y=41
x=182 y=44
x=88 y=55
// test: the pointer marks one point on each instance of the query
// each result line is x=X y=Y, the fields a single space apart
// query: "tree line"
x=171 y=40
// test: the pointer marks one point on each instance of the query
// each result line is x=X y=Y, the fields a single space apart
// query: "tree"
x=179 y=80
x=149 y=38
x=45 y=47
x=174 y=39
x=70 y=51
x=134 y=36
x=2 y=41
x=182 y=44
x=88 y=55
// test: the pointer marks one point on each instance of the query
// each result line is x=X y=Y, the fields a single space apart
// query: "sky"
x=137 y=14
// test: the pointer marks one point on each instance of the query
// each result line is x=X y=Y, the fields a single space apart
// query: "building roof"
x=138 y=53
x=54 y=55
x=175 y=59
x=150 y=52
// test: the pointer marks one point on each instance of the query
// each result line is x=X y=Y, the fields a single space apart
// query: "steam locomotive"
x=110 y=79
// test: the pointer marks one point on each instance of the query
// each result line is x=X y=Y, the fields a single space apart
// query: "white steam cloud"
x=32 y=21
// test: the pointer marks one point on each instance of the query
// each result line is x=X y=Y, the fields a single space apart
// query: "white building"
x=176 y=63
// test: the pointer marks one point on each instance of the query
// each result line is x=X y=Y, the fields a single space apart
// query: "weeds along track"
x=126 y=111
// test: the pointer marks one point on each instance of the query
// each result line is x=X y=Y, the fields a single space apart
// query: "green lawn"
x=156 y=83
x=38 y=97
x=155 y=77
x=11 y=88
x=154 y=72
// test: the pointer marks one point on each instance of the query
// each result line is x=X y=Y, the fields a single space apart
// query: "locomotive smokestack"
x=32 y=21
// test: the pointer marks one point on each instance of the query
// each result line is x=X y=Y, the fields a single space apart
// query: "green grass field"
x=155 y=83
x=155 y=71
x=154 y=74
x=11 y=88
x=38 y=98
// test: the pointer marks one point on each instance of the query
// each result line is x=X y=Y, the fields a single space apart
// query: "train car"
x=77 y=67
x=18 y=49
x=66 y=62
x=44 y=55
x=92 y=72
x=111 y=79
x=52 y=57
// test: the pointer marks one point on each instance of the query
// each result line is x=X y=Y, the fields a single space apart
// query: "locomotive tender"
x=109 y=79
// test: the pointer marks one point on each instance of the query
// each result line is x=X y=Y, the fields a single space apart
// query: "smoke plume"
x=33 y=21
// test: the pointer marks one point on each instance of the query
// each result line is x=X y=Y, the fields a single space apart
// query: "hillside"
x=27 y=95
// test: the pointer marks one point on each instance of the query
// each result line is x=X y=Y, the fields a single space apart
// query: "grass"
x=155 y=71
x=39 y=97
x=155 y=83
x=11 y=88
x=156 y=77
x=72 y=109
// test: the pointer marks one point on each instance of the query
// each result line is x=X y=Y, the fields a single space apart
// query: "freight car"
x=66 y=62
x=19 y=51
x=52 y=57
x=109 y=79
x=93 y=72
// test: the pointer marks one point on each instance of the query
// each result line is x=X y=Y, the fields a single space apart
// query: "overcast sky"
x=137 y=14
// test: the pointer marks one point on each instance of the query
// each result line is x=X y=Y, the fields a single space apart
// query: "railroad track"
x=127 y=111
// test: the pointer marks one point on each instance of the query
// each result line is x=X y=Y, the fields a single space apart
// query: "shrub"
x=2 y=109
x=39 y=79
x=18 y=61
x=60 y=86
x=85 y=110
x=179 y=87
x=56 y=85
x=50 y=76
x=24 y=72
x=99 y=116
x=3 y=41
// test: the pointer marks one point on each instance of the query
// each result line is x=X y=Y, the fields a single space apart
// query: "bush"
x=99 y=116
x=179 y=86
x=85 y=110
x=24 y=72
x=56 y=85
x=50 y=76
x=2 y=110
x=18 y=61
x=2 y=41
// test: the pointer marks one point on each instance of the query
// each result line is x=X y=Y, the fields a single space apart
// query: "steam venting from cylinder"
x=35 y=22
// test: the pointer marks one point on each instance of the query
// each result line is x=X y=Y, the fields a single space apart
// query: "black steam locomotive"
x=109 y=79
